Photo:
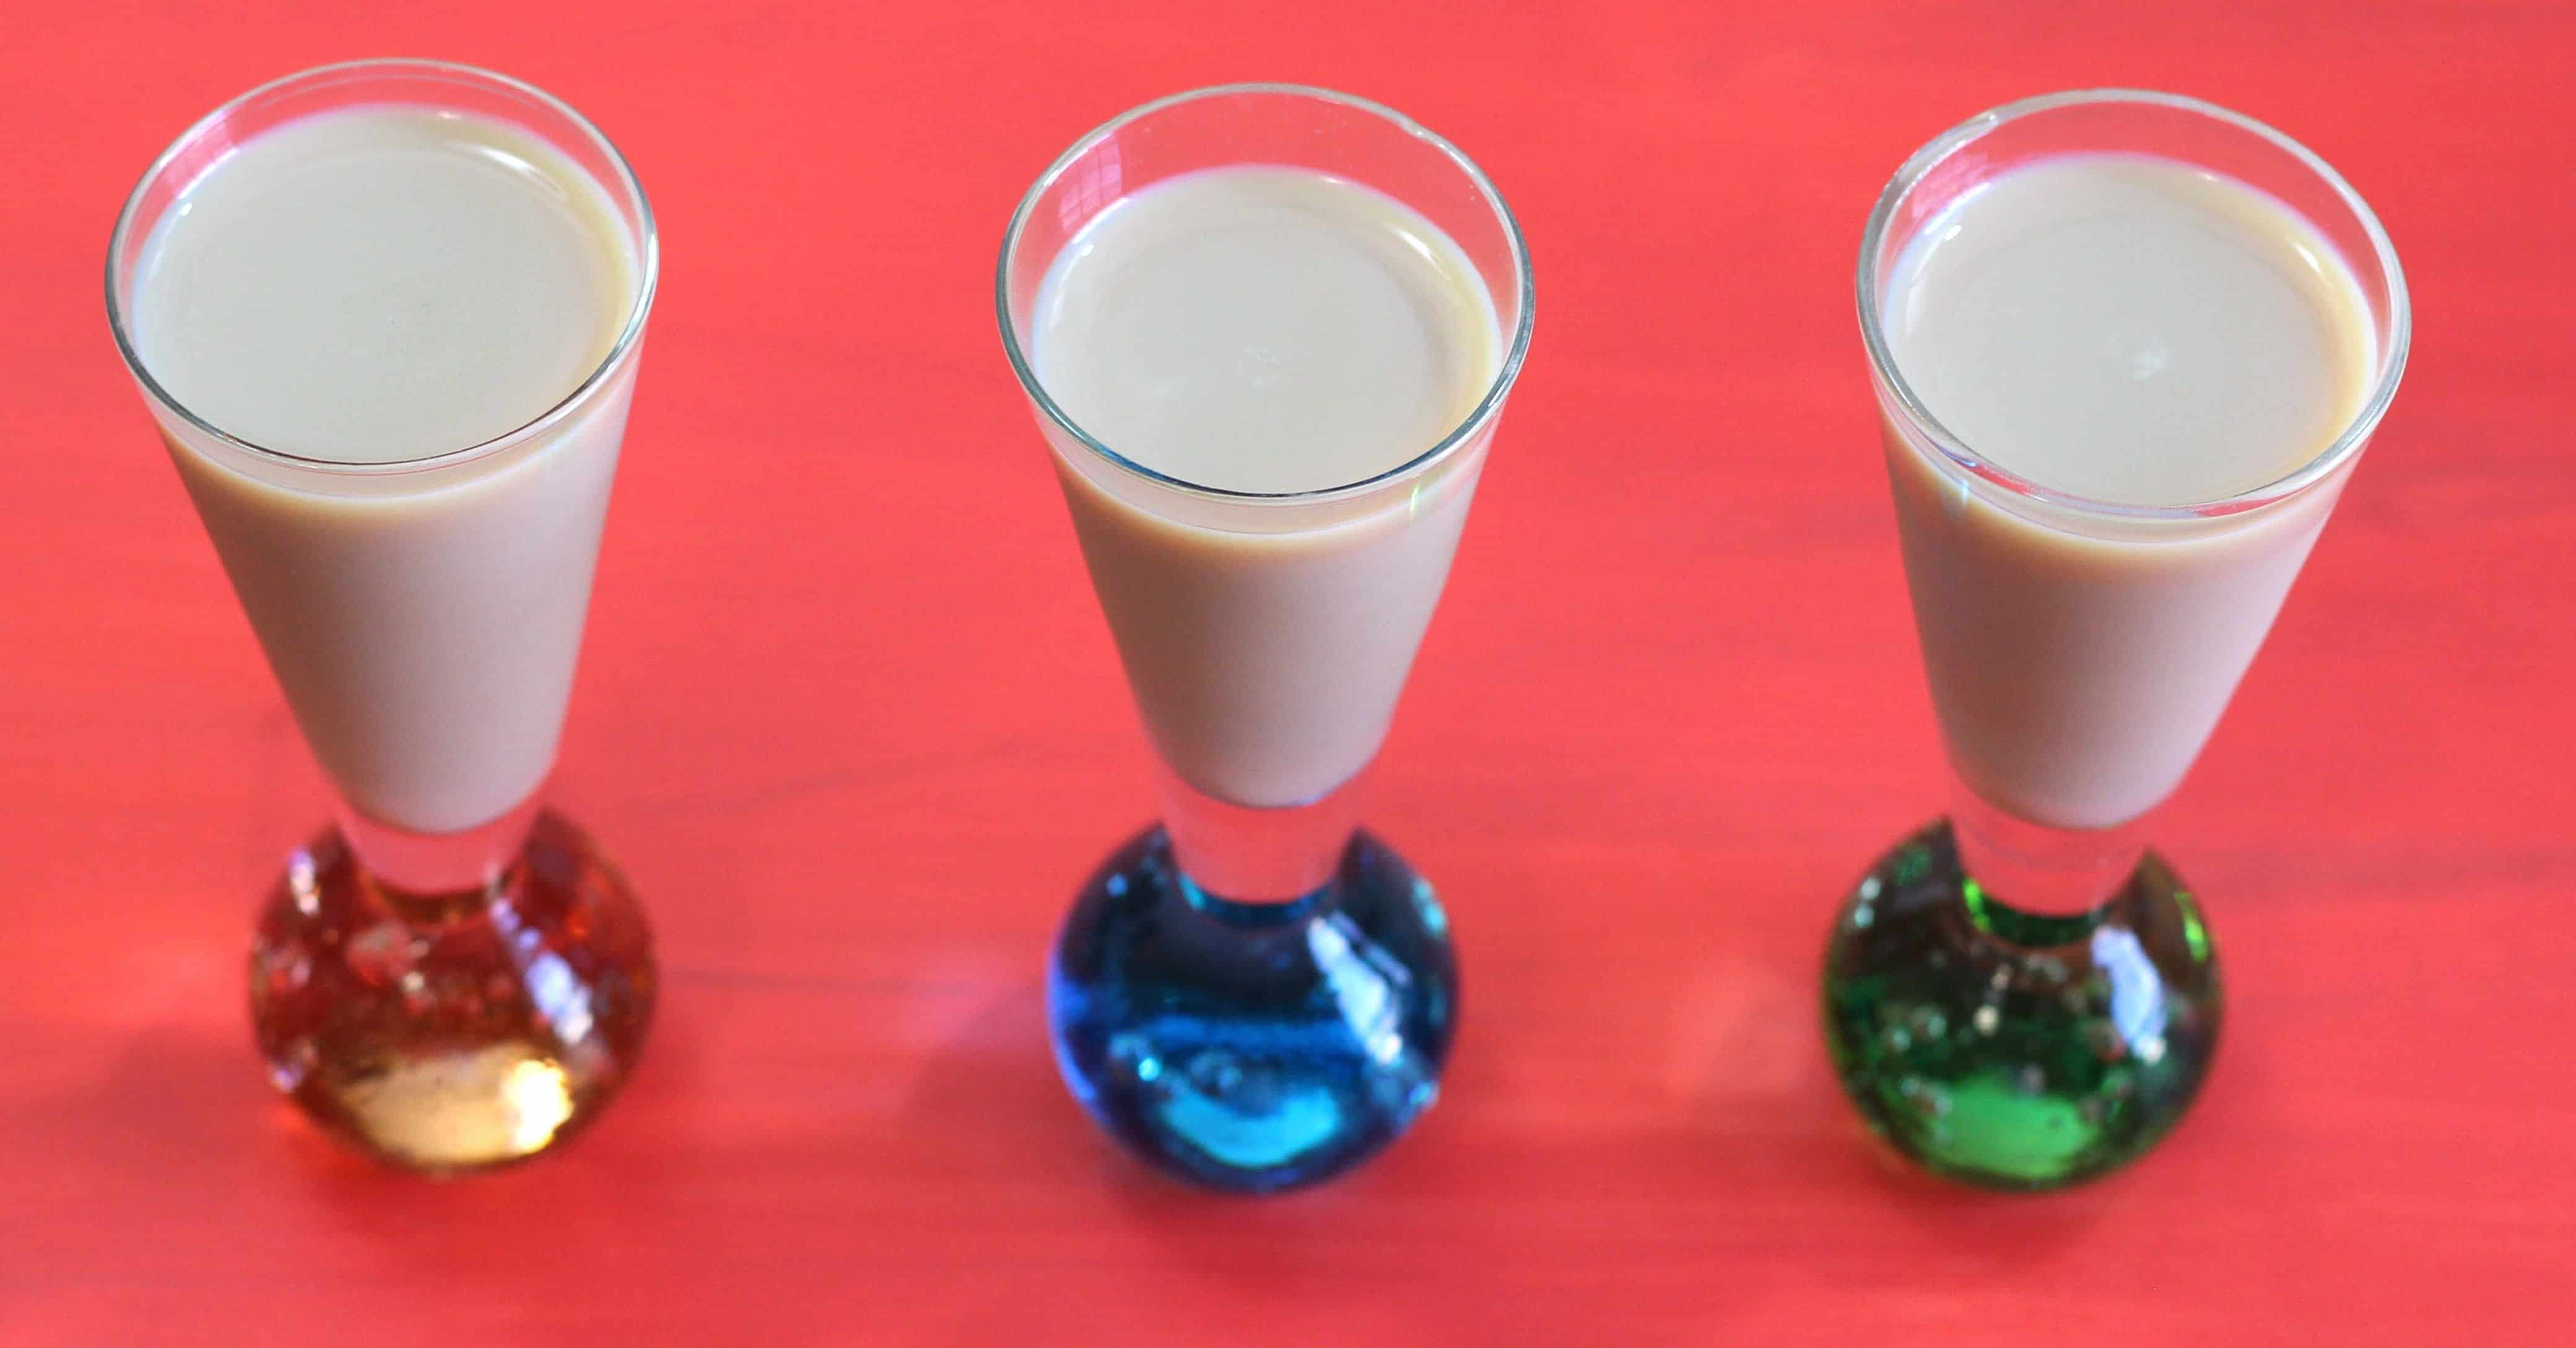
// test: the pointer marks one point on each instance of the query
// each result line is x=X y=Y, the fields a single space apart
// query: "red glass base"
x=457 y=1031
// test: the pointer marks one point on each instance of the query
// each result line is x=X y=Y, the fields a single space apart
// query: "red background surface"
x=849 y=716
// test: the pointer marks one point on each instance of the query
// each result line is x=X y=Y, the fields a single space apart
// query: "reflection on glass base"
x=460 y=1031
x=2014 y=1050
x=1253 y=1046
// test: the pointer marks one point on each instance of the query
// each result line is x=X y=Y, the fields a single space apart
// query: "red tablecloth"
x=849 y=716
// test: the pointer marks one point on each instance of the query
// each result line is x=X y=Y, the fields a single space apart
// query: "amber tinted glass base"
x=453 y=1032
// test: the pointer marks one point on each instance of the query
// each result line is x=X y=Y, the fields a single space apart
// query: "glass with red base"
x=451 y=976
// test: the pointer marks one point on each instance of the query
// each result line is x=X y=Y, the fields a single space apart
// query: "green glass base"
x=2017 y=1050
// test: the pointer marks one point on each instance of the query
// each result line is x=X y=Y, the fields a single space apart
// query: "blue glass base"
x=1253 y=1046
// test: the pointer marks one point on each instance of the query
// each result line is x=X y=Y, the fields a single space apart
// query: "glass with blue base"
x=1254 y=994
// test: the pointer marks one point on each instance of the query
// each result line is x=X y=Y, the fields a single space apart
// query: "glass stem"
x=1251 y=856
x=2038 y=868
x=465 y=864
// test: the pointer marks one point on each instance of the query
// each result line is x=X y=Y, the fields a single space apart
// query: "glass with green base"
x=2015 y=1043
x=2021 y=995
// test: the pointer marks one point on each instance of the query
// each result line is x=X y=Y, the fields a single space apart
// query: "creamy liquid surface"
x=381 y=283
x=1264 y=329
x=1268 y=330
x=2130 y=329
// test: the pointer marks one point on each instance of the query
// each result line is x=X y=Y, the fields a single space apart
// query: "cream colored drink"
x=1265 y=331
x=362 y=294
x=2129 y=331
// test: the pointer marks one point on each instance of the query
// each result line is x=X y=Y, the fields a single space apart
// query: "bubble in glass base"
x=2015 y=1050
x=453 y=1032
x=1253 y=1047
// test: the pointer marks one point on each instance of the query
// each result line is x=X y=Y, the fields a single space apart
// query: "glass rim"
x=1516 y=350
x=2323 y=465
x=648 y=261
